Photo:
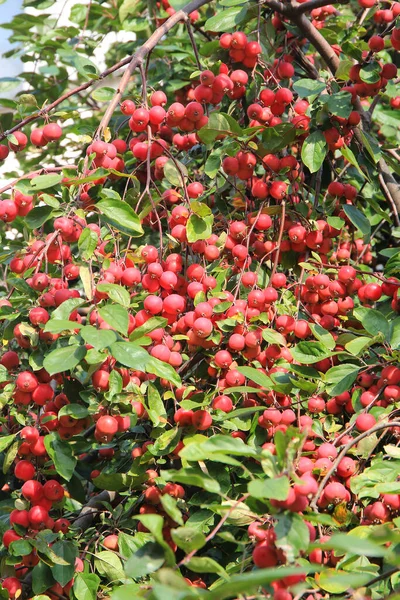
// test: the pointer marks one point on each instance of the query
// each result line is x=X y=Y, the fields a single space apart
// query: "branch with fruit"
x=200 y=379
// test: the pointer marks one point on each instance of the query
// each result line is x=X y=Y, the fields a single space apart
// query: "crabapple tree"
x=199 y=301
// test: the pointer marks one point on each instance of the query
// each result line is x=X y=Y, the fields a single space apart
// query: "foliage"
x=199 y=304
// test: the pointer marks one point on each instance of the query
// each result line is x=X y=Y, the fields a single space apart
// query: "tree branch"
x=35 y=173
x=391 y=188
x=318 y=41
x=143 y=51
x=311 y=4
x=90 y=509
x=343 y=453
x=132 y=62
x=279 y=7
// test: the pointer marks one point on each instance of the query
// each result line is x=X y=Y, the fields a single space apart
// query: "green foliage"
x=182 y=471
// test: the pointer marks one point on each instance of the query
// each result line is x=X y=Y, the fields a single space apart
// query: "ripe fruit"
x=201 y=420
x=223 y=403
x=52 y=132
x=264 y=555
x=32 y=490
x=18 y=141
x=24 y=470
x=335 y=493
x=53 y=491
x=13 y=586
x=376 y=43
x=107 y=425
x=365 y=422
x=26 y=382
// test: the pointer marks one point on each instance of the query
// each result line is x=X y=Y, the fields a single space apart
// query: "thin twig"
x=34 y=174
x=343 y=453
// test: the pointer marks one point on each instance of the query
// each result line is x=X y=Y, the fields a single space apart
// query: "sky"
x=8 y=67
x=11 y=67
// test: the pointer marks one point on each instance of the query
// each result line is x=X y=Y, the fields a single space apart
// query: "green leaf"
x=113 y=482
x=338 y=582
x=340 y=104
x=85 y=67
x=115 y=385
x=395 y=334
x=98 y=338
x=61 y=454
x=5 y=441
x=42 y=578
x=9 y=83
x=175 y=172
x=314 y=150
x=59 y=325
x=148 y=559
x=359 y=220
x=163 y=370
x=115 y=292
x=104 y=94
x=351 y=543
x=213 y=164
x=4 y=376
x=38 y=216
x=309 y=88
x=373 y=321
x=192 y=476
x=292 y=534
x=127 y=8
x=115 y=315
x=343 y=70
x=128 y=591
x=43 y=182
x=339 y=379
x=76 y=411
x=64 y=359
x=63 y=312
x=349 y=156
x=50 y=200
x=219 y=124
x=218 y=444
x=108 y=564
x=323 y=336
x=20 y=547
x=308 y=353
x=246 y=583
x=204 y=564
x=273 y=337
x=279 y=136
x=147 y=327
x=257 y=376
x=371 y=145
x=166 y=442
x=188 y=538
x=68 y=552
x=85 y=586
x=392 y=266
x=273 y=489
x=121 y=216
x=10 y=456
x=96 y=174
x=128 y=544
x=359 y=344
x=155 y=524
x=87 y=243
x=371 y=72
x=170 y=506
x=155 y=406
x=130 y=355
x=226 y=20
